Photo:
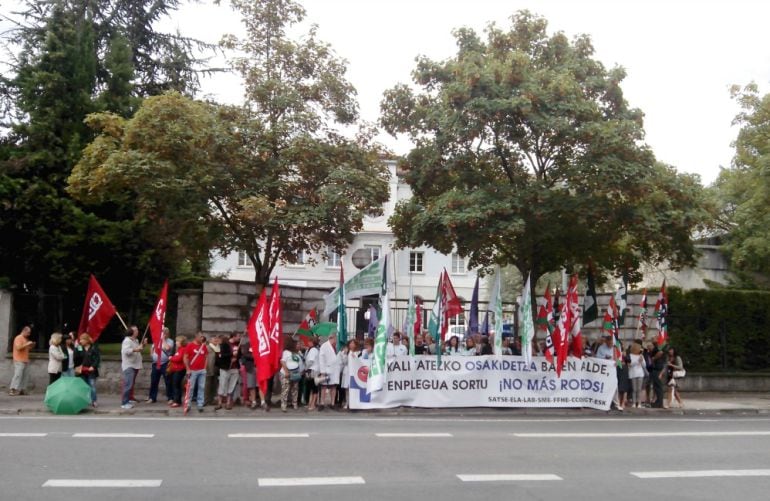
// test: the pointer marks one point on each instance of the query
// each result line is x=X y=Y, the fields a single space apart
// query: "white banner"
x=489 y=381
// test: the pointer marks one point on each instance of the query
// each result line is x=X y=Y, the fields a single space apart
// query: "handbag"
x=679 y=374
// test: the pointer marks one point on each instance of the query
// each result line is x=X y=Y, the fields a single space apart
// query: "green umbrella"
x=323 y=329
x=67 y=395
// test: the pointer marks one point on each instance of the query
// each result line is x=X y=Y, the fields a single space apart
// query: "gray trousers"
x=20 y=376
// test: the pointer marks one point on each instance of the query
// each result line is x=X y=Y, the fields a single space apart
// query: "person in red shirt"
x=195 y=363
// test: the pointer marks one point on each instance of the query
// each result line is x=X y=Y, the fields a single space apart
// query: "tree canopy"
x=270 y=178
x=743 y=190
x=527 y=153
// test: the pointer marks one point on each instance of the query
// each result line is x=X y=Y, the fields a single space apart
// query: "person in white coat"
x=329 y=370
x=55 y=357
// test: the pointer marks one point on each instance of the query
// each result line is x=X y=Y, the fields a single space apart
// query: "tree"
x=68 y=59
x=743 y=190
x=526 y=153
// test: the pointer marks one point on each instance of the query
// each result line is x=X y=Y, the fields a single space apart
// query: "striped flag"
x=661 y=313
x=641 y=326
x=378 y=371
x=305 y=329
x=527 y=331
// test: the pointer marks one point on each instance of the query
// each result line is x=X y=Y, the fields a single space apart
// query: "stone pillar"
x=189 y=309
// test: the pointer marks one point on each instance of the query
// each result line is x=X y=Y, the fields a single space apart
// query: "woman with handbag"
x=87 y=361
x=676 y=372
x=291 y=373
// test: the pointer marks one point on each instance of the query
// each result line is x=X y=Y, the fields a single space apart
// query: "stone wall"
x=224 y=306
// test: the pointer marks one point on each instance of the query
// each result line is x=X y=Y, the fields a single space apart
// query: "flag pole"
x=145 y=332
x=121 y=320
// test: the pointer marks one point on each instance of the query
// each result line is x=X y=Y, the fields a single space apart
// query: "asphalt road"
x=196 y=458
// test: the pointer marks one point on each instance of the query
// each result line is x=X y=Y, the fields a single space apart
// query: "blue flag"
x=485 y=326
x=473 y=317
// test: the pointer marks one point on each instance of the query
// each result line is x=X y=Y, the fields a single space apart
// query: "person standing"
x=87 y=362
x=229 y=370
x=156 y=373
x=659 y=364
x=195 y=363
x=311 y=372
x=55 y=357
x=248 y=373
x=68 y=349
x=636 y=371
x=290 y=374
x=177 y=371
x=329 y=370
x=21 y=348
x=675 y=372
x=212 y=372
x=130 y=364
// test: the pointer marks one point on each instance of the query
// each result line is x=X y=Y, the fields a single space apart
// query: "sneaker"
x=283 y=408
x=174 y=404
x=133 y=402
x=94 y=405
x=13 y=393
x=265 y=407
x=127 y=406
x=149 y=401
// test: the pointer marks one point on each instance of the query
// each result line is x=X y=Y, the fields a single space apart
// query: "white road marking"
x=268 y=435
x=113 y=435
x=701 y=473
x=371 y=418
x=12 y=435
x=413 y=435
x=645 y=434
x=509 y=478
x=101 y=483
x=307 y=481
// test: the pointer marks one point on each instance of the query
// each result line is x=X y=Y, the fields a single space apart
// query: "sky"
x=681 y=56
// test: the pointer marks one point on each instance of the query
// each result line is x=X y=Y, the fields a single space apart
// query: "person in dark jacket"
x=87 y=361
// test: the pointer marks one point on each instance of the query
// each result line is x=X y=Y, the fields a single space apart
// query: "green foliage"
x=197 y=174
x=71 y=58
x=721 y=330
x=743 y=190
x=526 y=153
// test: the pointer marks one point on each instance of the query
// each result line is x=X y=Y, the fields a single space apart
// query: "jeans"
x=129 y=376
x=20 y=376
x=177 y=386
x=91 y=381
x=155 y=376
x=198 y=386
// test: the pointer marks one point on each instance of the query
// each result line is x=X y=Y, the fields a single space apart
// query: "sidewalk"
x=696 y=404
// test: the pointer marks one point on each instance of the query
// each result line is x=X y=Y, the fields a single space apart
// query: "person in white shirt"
x=636 y=369
x=55 y=357
x=328 y=370
x=130 y=363
x=311 y=372
x=395 y=348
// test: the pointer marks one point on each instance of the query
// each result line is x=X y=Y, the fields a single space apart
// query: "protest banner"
x=489 y=381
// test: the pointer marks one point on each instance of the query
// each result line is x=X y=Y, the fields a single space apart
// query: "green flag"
x=497 y=304
x=342 y=315
x=527 y=328
x=378 y=369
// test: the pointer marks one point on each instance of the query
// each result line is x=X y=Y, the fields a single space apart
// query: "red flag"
x=260 y=341
x=305 y=329
x=275 y=325
x=450 y=303
x=661 y=312
x=641 y=328
x=418 y=317
x=573 y=303
x=157 y=320
x=98 y=310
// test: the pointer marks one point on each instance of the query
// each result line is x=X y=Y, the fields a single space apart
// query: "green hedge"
x=721 y=330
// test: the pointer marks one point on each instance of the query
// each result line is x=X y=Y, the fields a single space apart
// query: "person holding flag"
x=160 y=366
x=194 y=358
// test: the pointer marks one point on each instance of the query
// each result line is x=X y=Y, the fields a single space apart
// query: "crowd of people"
x=221 y=371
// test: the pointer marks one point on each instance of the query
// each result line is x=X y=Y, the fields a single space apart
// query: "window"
x=301 y=260
x=332 y=259
x=458 y=264
x=374 y=250
x=415 y=262
x=243 y=260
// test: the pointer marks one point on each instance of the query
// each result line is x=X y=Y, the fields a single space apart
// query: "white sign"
x=489 y=381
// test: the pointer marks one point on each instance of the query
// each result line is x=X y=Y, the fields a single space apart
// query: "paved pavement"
x=694 y=404
x=351 y=457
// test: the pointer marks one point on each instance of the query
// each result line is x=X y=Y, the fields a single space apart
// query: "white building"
x=420 y=266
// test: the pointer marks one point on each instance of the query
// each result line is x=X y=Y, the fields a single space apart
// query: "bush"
x=721 y=330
